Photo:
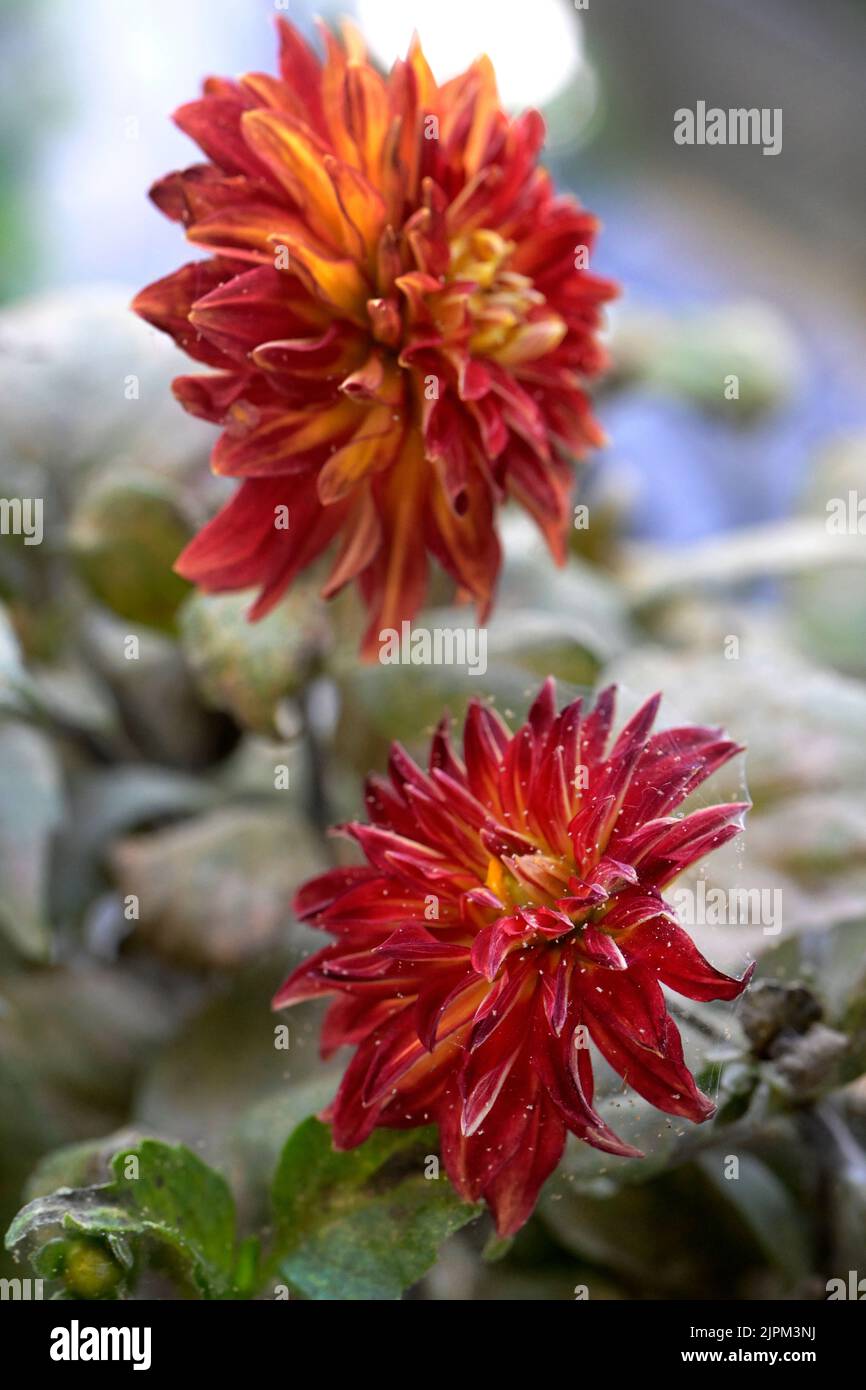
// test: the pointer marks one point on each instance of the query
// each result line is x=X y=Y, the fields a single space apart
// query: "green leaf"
x=360 y=1225
x=168 y=1196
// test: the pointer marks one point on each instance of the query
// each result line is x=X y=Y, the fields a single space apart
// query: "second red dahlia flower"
x=400 y=318
x=509 y=913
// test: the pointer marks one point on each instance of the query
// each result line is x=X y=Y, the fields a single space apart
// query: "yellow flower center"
x=497 y=880
x=508 y=313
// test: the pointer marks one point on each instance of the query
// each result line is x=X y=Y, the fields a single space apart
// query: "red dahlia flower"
x=510 y=911
x=400 y=317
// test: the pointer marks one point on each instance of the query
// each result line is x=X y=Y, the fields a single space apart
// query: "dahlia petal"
x=545 y=920
x=212 y=397
x=513 y=1191
x=513 y=987
x=369 y=115
x=665 y=1081
x=630 y=1002
x=260 y=444
x=556 y=993
x=378 y=843
x=352 y=1122
x=564 y=1086
x=442 y=756
x=584 y=900
x=596 y=727
x=295 y=158
x=541 y=875
x=376 y=379
x=632 y=740
x=301 y=70
x=601 y=949
x=374 y=907
x=249 y=230
x=261 y=89
x=483 y=1096
x=248 y=310
x=166 y=304
x=631 y=908
x=371 y=449
x=553 y=797
x=435 y=878
x=533 y=340
x=516 y=778
x=400 y=1051
x=320 y=892
x=335 y=351
x=670 y=953
x=414 y=942
x=611 y=874
x=441 y=829
x=463 y=803
x=336 y=281
x=544 y=489
x=565 y=732
x=359 y=967
x=394 y=584
x=498 y=840
x=637 y=844
x=242 y=546
x=463 y=539
x=305 y=982
x=350 y=1019
x=690 y=838
x=393 y=1060
x=543 y=710
x=385 y=320
x=485 y=739
x=434 y=1000
x=214 y=122
x=591 y=828
x=674 y=763
x=361 y=540
x=494 y=942
x=492 y=428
